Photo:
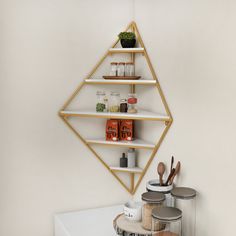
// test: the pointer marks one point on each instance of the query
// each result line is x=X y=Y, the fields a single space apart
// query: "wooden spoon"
x=161 y=170
x=177 y=169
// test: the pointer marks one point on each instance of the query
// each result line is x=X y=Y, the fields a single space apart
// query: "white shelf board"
x=126 y=169
x=111 y=81
x=137 y=143
x=126 y=50
x=140 y=115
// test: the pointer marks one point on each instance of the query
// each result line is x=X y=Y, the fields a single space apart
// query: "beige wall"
x=192 y=45
x=47 y=47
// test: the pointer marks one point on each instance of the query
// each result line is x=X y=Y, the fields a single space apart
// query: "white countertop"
x=92 y=222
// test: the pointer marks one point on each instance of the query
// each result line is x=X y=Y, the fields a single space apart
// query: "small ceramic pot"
x=133 y=211
x=125 y=43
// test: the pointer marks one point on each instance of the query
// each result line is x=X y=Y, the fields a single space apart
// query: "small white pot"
x=154 y=185
x=133 y=211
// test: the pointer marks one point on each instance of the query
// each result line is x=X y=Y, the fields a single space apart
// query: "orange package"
x=127 y=130
x=112 y=130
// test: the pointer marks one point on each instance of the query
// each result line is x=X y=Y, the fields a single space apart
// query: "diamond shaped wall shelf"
x=66 y=114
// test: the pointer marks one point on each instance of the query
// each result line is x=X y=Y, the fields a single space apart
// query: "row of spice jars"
x=122 y=69
x=115 y=104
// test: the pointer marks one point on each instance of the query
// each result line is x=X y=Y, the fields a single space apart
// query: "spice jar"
x=113 y=70
x=121 y=69
x=185 y=200
x=114 y=102
x=101 y=106
x=170 y=218
x=123 y=105
x=151 y=200
x=132 y=102
x=129 y=69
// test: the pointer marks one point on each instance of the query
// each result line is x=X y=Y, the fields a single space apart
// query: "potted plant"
x=127 y=39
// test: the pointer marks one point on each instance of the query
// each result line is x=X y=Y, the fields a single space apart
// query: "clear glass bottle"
x=169 y=219
x=185 y=200
x=113 y=70
x=121 y=69
x=132 y=103
x=129 y=69
x=114 y=102
x=151 y=200
x=100 y=105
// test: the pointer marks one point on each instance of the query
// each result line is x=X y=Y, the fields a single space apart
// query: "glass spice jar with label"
x=113 y=70
x=100 y=105
x=114 y=102
x=129 y=69
x=123 y=105
x=132 y=103
x=121 y=69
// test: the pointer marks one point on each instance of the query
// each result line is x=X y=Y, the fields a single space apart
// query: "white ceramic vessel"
x=133 y=211
x=154 y=185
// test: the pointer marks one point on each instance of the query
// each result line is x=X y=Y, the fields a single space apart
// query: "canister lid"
x=153 y=197
x=166 y=213
x=183 y=193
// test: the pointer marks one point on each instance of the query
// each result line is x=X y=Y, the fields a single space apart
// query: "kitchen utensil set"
x=173 y=172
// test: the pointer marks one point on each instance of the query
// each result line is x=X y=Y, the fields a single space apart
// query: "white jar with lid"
x=185 y=200
x=168 y=217
x=151 y=200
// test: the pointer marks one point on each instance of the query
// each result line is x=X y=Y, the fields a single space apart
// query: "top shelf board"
x=108 y=81
x=126 y=50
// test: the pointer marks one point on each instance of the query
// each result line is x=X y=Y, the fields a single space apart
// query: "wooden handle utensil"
x=172 y=162
x=177 y=170
x=170 y=176
x=161 y=170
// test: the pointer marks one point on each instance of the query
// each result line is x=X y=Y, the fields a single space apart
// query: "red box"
x=112 y=130
x=127 y=130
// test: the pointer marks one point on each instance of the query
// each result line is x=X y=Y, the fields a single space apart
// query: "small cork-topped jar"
x=170 y=218
x=185 y=199
x=151 y=200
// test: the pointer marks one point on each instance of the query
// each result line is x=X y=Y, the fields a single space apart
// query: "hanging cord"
x=133 y=10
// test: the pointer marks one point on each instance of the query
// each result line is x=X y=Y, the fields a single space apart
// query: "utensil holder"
x=154 y=186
